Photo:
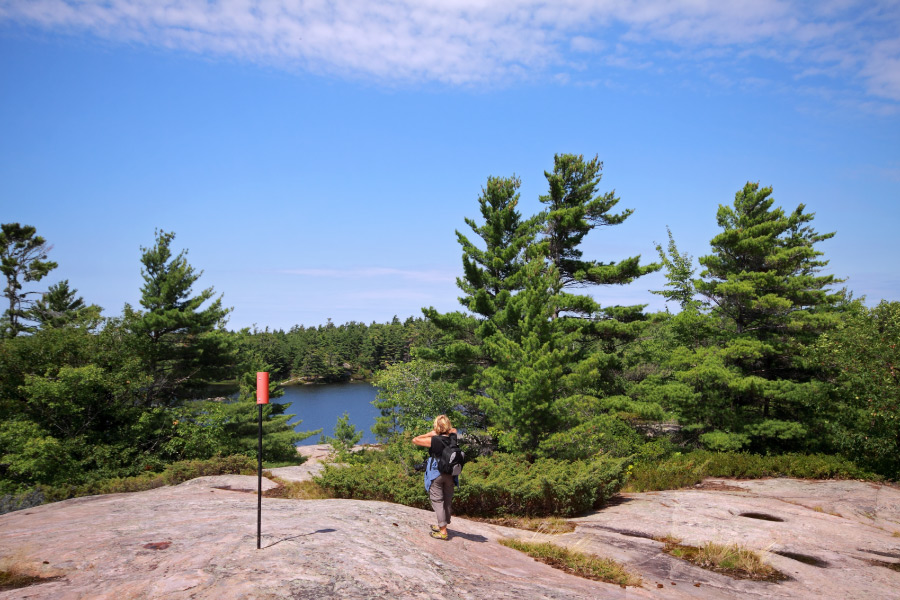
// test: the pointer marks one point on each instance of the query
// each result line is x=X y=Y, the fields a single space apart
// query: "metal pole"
x=259 y=482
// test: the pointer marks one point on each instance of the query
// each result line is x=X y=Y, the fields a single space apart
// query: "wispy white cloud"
x=478 y=42
x=424 y=276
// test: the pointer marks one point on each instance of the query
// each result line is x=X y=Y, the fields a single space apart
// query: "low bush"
x=173 y=474
x=685 y=470
x=604 y=434
x=504 y=484
x=492 y=486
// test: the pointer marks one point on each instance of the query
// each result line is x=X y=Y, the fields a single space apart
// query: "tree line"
x=765 y=353
x=762 y=350
x=85 y=397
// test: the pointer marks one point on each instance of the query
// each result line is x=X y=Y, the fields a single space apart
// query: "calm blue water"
x=319 y=406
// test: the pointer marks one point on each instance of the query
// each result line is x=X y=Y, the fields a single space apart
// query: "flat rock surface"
x=198 y=540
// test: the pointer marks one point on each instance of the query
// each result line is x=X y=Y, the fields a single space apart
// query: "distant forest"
x=330 y=353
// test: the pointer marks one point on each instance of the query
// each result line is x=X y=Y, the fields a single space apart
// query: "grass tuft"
x=296 y=490
x=729 y=559
x=581 y=564
x=548 y=525
x=16 y=573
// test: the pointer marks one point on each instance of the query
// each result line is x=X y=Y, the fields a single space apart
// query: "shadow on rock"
x=300 y=535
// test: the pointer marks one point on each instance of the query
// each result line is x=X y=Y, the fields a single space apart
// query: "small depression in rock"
x=627 y=532
x=761 y=516
x=636 y=534
x=804 y=558
x=882 y=563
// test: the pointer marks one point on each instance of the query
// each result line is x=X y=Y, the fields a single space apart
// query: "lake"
x=319 y=406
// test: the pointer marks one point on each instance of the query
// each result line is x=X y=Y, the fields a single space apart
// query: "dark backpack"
x=452 y=458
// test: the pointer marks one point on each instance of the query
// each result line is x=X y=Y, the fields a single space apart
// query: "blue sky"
x=316 y=157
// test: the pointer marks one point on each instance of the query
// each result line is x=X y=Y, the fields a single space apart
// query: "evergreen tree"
x=528 y=349
x=574 y=210
x=180 y=340
x=60 y=307
x=491 y=276
x=679 y=274
x=763 y=287
x=23 y=259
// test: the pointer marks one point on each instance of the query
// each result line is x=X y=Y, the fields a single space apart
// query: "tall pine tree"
x=180 y=340
x=527 y=348
x=762 y=284
x=23 y=258
x=492 y=274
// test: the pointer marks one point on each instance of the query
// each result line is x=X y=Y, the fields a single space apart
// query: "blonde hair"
x=442 y=424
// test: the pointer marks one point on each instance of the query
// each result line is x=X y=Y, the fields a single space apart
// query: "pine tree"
x=23 y=259
x=679 y=274
x=528 y=349
x=763 y=286
x=180 y=340
x=574 y=210
x=492 y=274
x=59 y=306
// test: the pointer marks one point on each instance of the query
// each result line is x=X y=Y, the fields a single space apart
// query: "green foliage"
x=603 y=435
x=505 y=484
x=345 y=436
x=490 y=486
x=173 y=474
x=861 y=360
x=178 y=339
x=331 y=353
x=60 y=307
x=23 y=259
x=744 y=381
x=30 y=455
x=372 y=475
x=203 y=428
x=722 y=441
x=526 y=345
x=686 y=470
x=679 y=274
x=491 y=278
x=409 y=398
x=574 y=209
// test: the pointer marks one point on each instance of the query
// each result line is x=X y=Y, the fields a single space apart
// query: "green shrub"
x=490 y=486
x=671 y=474
x=505 y=484
x=685 y=470
x=604 y=434
x=173 y=474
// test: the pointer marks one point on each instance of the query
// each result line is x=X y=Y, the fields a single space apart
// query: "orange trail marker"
x=262 y=397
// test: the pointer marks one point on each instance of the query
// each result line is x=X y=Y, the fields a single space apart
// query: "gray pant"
x=441 y=495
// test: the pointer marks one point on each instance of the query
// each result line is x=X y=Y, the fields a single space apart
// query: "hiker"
x=439 y=486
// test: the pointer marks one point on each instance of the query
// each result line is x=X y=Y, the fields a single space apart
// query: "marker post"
x=262 y=397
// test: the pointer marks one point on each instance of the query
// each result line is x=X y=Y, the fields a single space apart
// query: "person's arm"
x=424 y=440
